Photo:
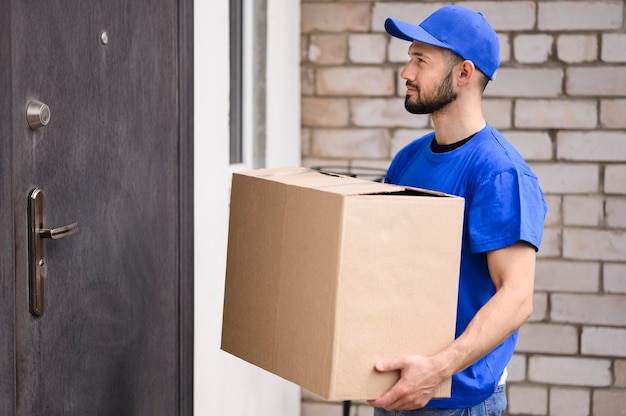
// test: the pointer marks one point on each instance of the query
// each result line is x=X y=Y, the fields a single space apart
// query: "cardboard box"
x=328 y=274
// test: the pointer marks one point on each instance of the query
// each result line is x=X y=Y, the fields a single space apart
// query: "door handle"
x=60 y=232
x=38 y=233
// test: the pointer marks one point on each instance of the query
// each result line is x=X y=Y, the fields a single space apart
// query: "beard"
x=418 y=104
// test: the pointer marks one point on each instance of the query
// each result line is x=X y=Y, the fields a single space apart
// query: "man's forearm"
x=495 y=322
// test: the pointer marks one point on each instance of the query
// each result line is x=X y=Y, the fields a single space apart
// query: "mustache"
x=411 y=85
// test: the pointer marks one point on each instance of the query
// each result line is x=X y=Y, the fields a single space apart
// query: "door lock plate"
x=38 y=234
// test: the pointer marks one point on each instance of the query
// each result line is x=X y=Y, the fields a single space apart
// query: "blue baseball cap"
x=465 y=32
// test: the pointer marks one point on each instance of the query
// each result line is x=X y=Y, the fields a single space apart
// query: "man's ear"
x=467 y=70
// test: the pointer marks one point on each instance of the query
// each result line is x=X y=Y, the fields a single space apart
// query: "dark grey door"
x=115 y=157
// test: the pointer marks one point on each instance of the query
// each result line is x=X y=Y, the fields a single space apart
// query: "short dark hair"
x=452 y=59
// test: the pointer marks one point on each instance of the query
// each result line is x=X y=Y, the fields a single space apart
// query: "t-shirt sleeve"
x=506 y=208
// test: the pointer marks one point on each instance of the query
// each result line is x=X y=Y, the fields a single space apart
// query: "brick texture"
x=588 y=309
x=586 y=15
x=608 y=81
x=548 y=338
x=606 y=342
x=609 y=402
x=614 y=182
x=567 y=276
x=566 y=114
x=533 y=49
x=583 y=210
x=527 y=82
x=568 y=178
x=575 y=49
x=614 y=47
x=569 y=401
x=596 y=145
x=612 y=113
x=615 y=278
x=530 y=400
x=570 y=371
x=620 y=373
x=560 y=98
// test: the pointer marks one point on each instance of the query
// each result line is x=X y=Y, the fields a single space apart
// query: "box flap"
x=323 y=181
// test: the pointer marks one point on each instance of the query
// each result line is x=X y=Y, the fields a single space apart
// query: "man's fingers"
x=395 y=398
x=390 y=365
x=386 y=401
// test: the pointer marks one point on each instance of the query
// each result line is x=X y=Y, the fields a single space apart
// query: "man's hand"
x=419 y=378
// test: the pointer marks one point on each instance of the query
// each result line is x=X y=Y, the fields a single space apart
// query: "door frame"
x=7 y=236
x=8 y=215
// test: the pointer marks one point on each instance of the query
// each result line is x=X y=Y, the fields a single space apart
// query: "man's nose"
x=408 y=73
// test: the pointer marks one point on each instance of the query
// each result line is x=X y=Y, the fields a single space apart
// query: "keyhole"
x=44 y=115
x=42 y=268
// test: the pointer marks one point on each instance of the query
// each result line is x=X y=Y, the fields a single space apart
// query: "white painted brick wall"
x=615 y=278
x=588 y=309
x=616 y=212
x=575 y=49
x=570 y=371
x=402 y=137
x=567 y=276
x=614 y=47
x=532 y=145
x=498 y=112
x=325 y=112
x=357 y=81
x=533 y=49
x=565 y=114
x=526 y=82
x=591 y=244
x=517 y=368
x=335 y=17
x=569 y=401
x=399 y=10
x=615 y=179
x=327 y=49
x=620 y=373
x=583 y=210
x=607 y=342
x=507 y=15
x=540 y=307
x=367 y=49
x=548 y=338
x=612 y=113
x=381 y=112
x=551 y=243
x=554 y=215
x=609 y=402
x=343 y=143
x=561 y=178
x=577 y=15
x=527 y=400
x=599 y=146
x=596 y=81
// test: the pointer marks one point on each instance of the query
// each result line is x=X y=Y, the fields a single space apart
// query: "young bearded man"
x=453 y=54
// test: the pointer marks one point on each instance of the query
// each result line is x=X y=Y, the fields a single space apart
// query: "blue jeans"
x=495 y=405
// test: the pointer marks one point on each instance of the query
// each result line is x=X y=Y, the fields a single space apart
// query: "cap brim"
x=410 y=32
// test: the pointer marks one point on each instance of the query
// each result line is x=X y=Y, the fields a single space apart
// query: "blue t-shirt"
x=503 y=205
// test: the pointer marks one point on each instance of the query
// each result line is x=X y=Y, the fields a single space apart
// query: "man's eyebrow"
x=418 y=53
